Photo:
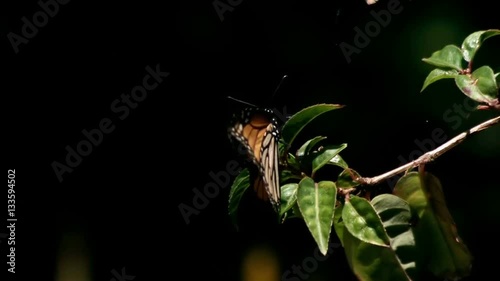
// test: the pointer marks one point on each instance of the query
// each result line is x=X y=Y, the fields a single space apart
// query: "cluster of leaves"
x=390 y=237
x=310 y=157
x=400 y=236
x=482 y=84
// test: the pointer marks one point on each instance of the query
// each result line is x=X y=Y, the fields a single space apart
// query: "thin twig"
x=431 y=155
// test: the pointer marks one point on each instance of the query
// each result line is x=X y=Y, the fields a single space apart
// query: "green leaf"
x=316 y=202
x=288 y=197
x=238 y=188
x=284 y=154
x=282 y=149
x=393 y=210
x=300 y=119
x=296 y=211
x=361 y=220
x=371 y=262
x=325 y=155
x=308 y=145
x=486 y=81
x=472 y=42
x=445 y=253
x=480 y=86
x=293 y=162
x=286 y=175
x=438 y=74
x=497 y=78
x=338 y=161
x=449 y=57
x=345 y=179
x=338 y=223
x=376 y=263
x=395 y=214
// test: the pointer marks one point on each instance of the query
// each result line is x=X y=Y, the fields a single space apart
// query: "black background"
x=123 y=199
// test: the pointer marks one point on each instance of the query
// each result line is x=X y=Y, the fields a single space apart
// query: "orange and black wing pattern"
x=257 y=130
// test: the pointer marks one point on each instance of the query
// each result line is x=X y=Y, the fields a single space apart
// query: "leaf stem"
x=431 y=155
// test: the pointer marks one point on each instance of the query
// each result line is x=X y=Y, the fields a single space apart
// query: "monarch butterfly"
x=257 y=130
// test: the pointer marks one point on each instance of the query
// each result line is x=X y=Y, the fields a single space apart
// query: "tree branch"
x=431 y=155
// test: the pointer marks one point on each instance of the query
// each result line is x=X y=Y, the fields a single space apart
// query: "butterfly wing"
x=257 y=131
x=269 y=163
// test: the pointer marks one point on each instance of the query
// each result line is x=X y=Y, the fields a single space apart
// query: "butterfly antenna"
x=241 y=101
x=279 y=85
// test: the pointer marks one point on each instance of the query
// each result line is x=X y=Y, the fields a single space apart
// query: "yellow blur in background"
x=260 y=264
x=73 y=259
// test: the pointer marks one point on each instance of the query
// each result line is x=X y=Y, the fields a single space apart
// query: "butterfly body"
x=256 y=130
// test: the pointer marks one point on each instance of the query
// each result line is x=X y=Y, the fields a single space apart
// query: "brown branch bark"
x=431 y=155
